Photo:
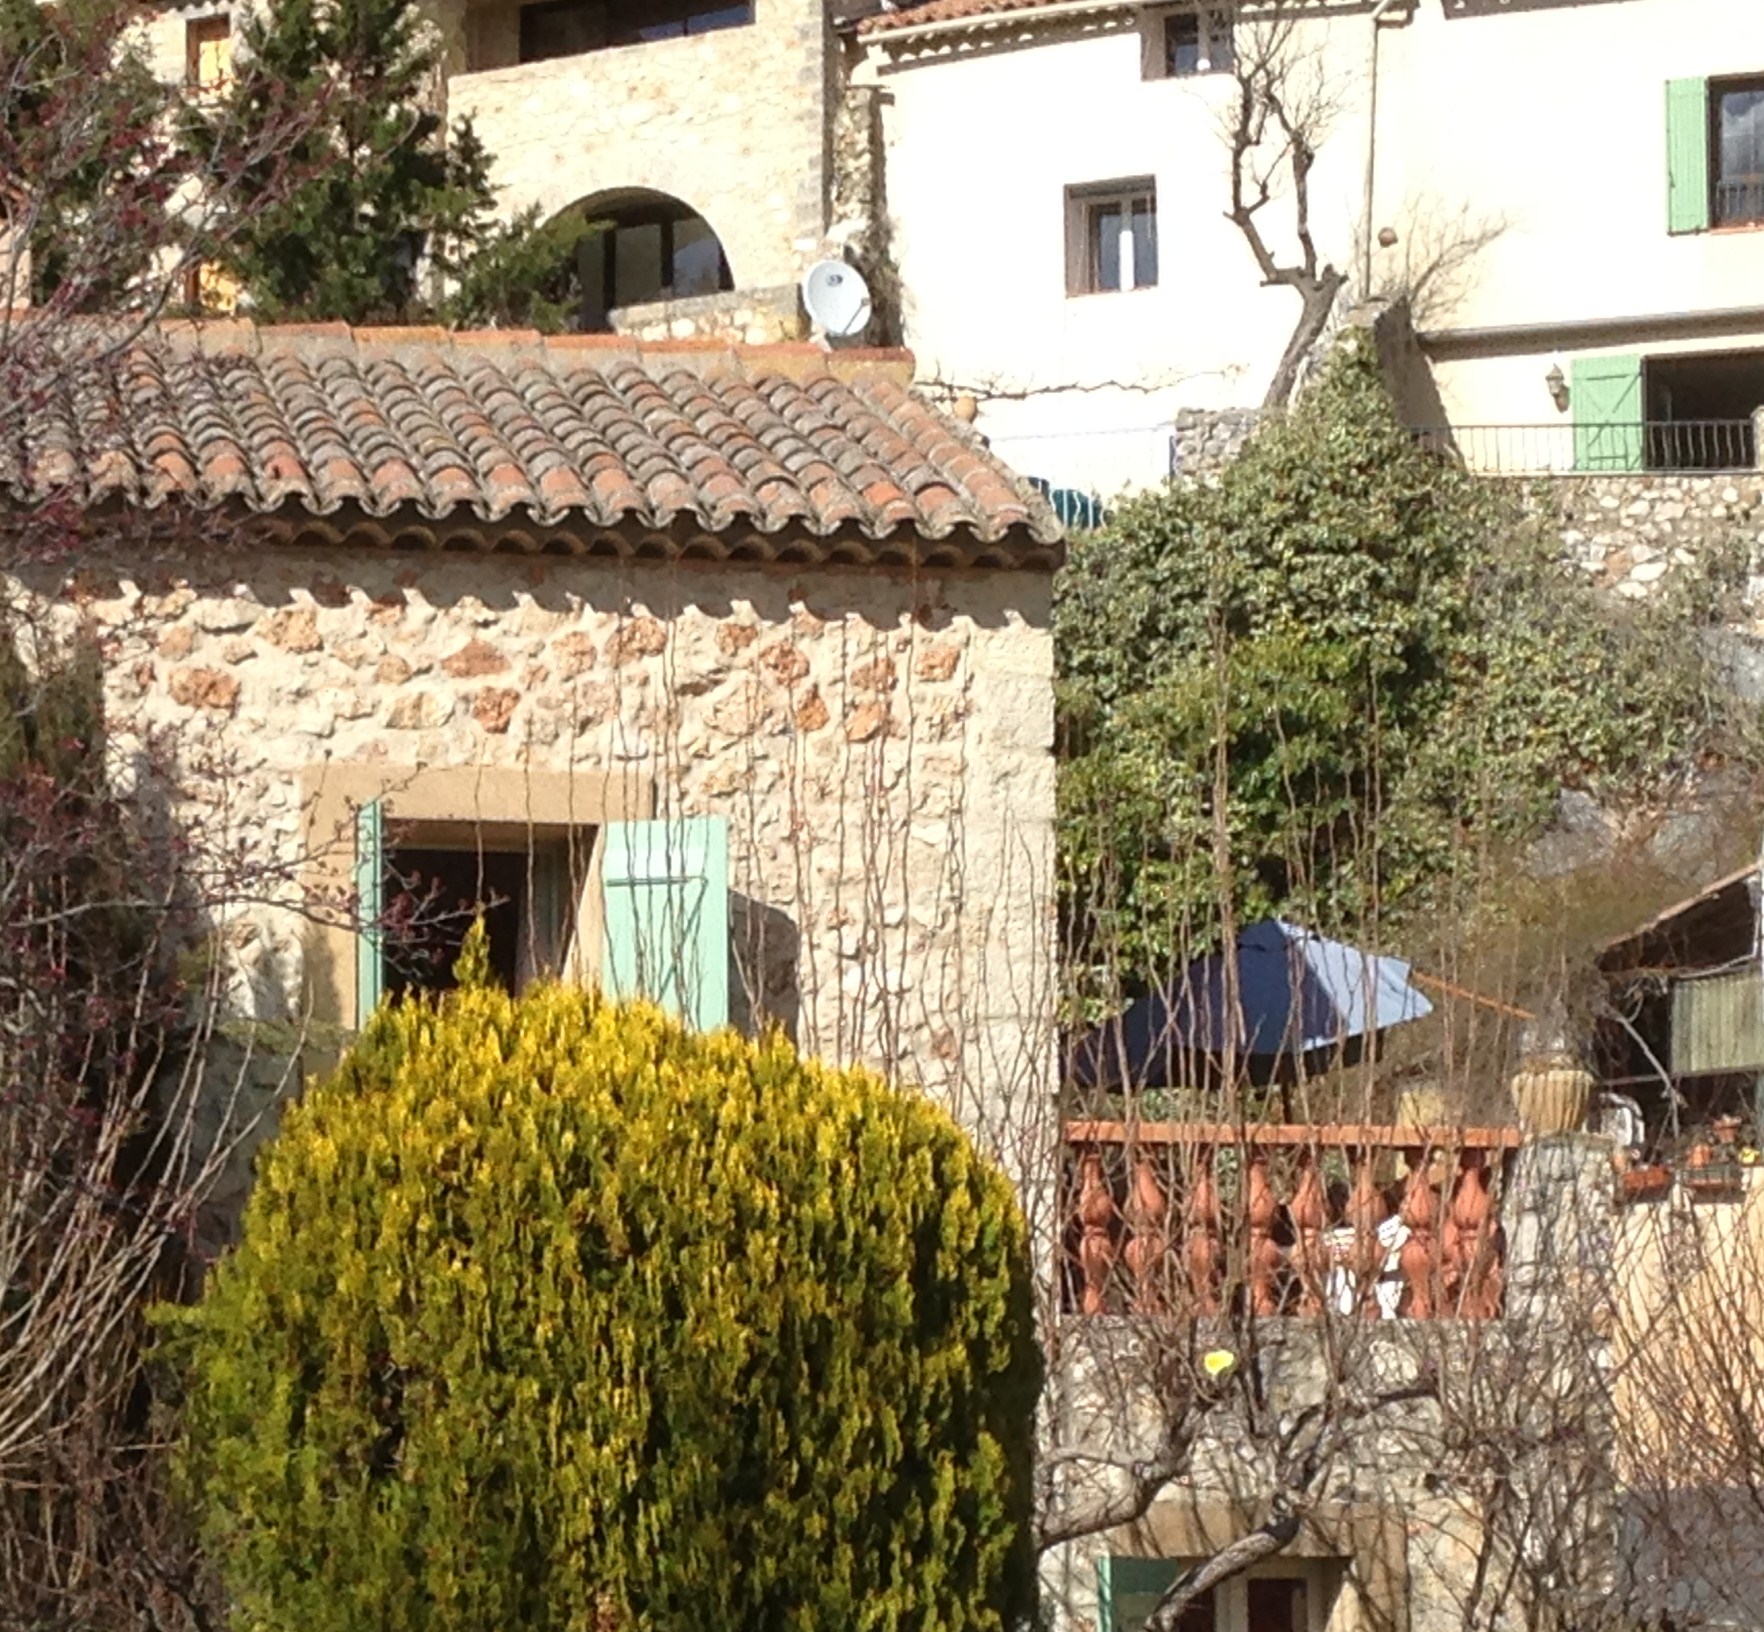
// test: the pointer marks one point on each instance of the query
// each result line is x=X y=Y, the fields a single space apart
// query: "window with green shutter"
x=1687 y=155
x=666 y=891
x=1605 y=394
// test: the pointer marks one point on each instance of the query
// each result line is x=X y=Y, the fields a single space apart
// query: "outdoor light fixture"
x=1557 y=384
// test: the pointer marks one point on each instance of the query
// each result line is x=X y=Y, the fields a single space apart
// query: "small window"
x=569 y=28
x=1198 y=42
x=1112 y=238
x=437 y=882
x=210 y=288
x=1736 y=148
x=208 y=53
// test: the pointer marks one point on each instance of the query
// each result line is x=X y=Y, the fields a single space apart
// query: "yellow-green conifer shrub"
x=550 y=1314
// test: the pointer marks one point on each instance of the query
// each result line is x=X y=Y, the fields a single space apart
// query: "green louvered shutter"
x=370 y=904
x=1128 y=1590
x=666 y=889
x=1606 y=396
x=1687 y=155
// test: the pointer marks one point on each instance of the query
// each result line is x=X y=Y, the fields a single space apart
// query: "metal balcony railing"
x=1197 y=1218
x=1704 y=446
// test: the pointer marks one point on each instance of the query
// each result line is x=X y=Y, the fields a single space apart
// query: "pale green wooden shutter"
x=370 y=905
x=1687 y=155
x=666 y=890
x=1606 y=397
x=1128 y=1589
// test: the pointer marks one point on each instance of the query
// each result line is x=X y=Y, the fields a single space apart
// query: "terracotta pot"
x=1645 y=1183
x=1551 y=1092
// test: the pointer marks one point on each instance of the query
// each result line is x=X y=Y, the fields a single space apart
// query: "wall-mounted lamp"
x=1556 y=383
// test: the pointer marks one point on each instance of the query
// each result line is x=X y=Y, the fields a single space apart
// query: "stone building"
x=714 y=140
x=726 y=676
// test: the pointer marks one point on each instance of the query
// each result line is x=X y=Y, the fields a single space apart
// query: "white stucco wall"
x=1549 y=120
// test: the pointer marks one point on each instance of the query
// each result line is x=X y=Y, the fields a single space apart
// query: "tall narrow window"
x=208 y=53
x=1736 y=110
x=1112 y=238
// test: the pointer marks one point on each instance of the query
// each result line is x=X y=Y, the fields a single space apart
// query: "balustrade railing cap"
x=1320 y=1135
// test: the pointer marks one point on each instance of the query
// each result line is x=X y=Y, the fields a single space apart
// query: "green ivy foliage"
x=551 y=1314
x=1356 y=657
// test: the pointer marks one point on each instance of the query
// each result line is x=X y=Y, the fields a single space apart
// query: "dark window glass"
x=651 y=251
x=563 y=28
x=1105 y=245
x=1198 y=42
x=1182 y=43
x=1276 y=1606
x=567 y=28
x=1738 y=116
x=432 y=897
x=1145 y=244
x=1110 y=224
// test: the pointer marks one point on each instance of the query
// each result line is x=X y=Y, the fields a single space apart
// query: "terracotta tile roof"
x=953 y=11
x=504 y=437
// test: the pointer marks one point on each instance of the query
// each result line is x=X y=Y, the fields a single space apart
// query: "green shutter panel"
x=1606 y=397
x=666 y=890
x=1105 y=1595
x=1687 y=155
x=370 y=904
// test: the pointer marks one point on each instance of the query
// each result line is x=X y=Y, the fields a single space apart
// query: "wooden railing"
x=1201 y=1218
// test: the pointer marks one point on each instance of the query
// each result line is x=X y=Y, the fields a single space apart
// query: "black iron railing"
x=1690 y=445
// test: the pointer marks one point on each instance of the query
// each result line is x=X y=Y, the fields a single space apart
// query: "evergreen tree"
x=376 y=192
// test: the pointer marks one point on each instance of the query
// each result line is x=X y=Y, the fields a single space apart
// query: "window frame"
x=1215 y=41
x=214 y=29
x=1084 y=204
x=547 y=803
x=1718 y=88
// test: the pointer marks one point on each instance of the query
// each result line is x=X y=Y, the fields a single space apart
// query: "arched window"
x=650 y=247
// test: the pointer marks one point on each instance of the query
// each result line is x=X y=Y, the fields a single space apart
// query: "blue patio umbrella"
x=1302 y=996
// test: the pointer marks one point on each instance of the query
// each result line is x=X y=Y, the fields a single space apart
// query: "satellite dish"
x=837 y=298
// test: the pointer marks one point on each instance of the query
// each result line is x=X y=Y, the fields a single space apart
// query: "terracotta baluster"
x=1264 y=1255
x=1147 y=1241
x=1309 y=1212
x=1475 y=1279
x=1202 y=1246
x=1365 y=1212
x=1418 y=1258
x=1096 y=1246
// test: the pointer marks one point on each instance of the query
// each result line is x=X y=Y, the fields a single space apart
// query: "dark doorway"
x=432 y=899
x=652 y=248
x=1277 y=1604
x=1699 y=410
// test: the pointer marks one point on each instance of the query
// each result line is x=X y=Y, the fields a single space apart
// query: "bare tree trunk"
x=1260 y=1543
x=1319 y=302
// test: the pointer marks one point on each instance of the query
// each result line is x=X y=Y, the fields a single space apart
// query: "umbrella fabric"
x=1300 y=994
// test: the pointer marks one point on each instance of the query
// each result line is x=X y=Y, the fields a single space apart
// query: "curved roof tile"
x=514 y=431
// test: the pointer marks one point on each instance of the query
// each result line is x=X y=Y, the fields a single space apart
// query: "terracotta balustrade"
x=1360 y=1219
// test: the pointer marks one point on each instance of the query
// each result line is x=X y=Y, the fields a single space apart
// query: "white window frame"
x=1082 y=205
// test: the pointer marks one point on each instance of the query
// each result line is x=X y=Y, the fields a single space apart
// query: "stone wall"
x=754 y=317
x=1206 y=439
x=1634 y=532
x=880 y=744
x=1398 y=1514
x=733 y=123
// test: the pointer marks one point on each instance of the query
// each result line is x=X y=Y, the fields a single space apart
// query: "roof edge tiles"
x=594 y=444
